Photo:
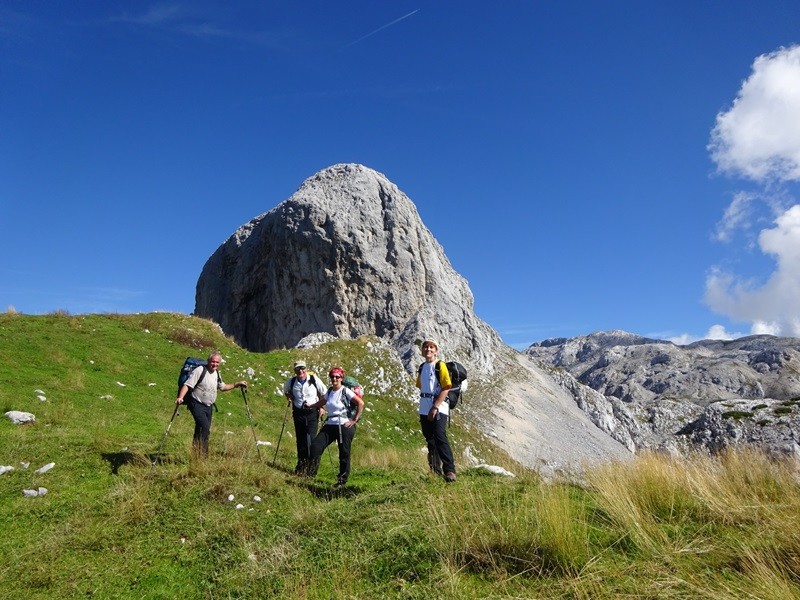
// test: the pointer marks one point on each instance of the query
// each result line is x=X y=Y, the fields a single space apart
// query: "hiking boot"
x=313 y=467
x=340 y=483
x=450 y=477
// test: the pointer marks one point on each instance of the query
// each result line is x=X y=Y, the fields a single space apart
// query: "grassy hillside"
x=112 y=525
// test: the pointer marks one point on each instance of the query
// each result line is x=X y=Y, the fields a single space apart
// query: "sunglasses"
x=336 y=377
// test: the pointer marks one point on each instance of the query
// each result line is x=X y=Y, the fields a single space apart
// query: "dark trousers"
x=343 y=436
x=306 y=421
x=202 y=426
x=440 y=456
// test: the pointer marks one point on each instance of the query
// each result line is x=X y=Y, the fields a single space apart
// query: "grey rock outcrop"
x=347 y=254
x=710 y=394
x=637 y=369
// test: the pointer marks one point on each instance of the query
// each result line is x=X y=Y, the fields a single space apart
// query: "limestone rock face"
x=348 y=255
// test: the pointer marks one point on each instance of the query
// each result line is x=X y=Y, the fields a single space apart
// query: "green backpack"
x=350 y=382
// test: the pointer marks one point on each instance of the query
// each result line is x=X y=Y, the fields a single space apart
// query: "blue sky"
x=586 y=165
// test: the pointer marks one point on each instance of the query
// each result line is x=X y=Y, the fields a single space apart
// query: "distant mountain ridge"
x=638 y=369
x=710 y=393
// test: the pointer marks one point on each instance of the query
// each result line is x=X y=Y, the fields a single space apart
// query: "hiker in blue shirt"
x=434 y=409
x=199 y=393
x=303 y=391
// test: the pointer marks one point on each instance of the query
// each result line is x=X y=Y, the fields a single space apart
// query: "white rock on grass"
x=39 y=392
x=231 y=498
x=45 y=468
x=263 y=443
x=239 y=506
x=34 y=493
x=18 y=417
x=496 y=470
x=41 y=398
x=5 y=469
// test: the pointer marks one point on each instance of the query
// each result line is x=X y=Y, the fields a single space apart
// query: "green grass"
x=112 y=525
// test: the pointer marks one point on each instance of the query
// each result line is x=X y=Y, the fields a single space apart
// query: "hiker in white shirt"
x=303 y=391
x=340 y=425
x=433 y=410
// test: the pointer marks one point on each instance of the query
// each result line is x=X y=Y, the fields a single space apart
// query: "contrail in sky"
x=382 y=28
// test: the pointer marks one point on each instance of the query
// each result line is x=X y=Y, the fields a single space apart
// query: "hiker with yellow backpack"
x=433 y=381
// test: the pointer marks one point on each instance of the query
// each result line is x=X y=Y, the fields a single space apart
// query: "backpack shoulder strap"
x=437 y=369
x=202 y=376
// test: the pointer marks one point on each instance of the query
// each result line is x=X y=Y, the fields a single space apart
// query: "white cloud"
x=715 y=332
x=155 y=16
x=683 y=339
x=759 y=137
x=718 y=332
x=761 y=328
x=773 y=307
x=736 y=216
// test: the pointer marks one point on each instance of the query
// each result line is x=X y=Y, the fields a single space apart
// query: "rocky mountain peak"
x=347 y=254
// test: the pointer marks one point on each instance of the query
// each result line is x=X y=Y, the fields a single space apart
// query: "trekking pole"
x=250 y=418
x=330 y=456
x=278 y=447
x=164 y=439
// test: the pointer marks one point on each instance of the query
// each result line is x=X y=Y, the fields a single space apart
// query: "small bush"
x=736 y=414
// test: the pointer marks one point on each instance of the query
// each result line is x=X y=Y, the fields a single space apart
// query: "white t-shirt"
x=428 y=384
x=303 y=391
x=206 y=391
x=335 y=406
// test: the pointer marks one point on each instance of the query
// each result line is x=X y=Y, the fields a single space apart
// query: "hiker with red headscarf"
x=344 y=408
